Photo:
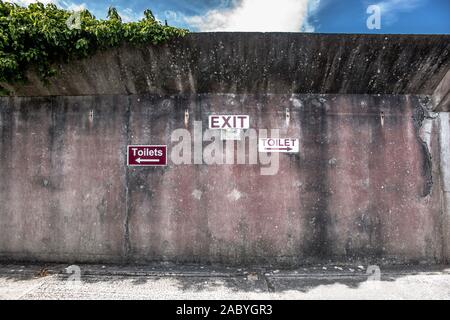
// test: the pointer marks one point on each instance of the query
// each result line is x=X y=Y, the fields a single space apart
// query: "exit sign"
x=229 y=122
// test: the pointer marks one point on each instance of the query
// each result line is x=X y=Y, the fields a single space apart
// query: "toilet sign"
x=145 y=156
x=285 y=145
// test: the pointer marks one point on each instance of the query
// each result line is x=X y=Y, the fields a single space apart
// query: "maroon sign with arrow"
x=141 y=155
x=285 y=145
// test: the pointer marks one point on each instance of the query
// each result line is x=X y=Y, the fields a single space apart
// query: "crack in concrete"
x=419 y=115
x=269 y=284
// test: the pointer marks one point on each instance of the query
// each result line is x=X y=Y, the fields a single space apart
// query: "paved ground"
x=166 y=281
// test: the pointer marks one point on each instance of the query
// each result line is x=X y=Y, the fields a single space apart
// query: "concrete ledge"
x=258 y=63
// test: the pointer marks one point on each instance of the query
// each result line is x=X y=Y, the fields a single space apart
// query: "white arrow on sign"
x=139 y=160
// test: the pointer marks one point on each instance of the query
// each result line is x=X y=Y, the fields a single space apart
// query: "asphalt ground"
x=192 y=282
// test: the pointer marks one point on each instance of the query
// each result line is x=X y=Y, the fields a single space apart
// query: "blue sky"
x=328 y=16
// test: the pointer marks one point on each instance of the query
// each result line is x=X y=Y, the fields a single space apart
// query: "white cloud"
x=255 y=15
x=74 y=6
x=172 y=15
x=390 y=8
x=399 y=5
x=128 y=15
x=313 y=8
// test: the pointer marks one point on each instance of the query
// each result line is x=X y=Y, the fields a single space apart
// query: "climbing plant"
x=39 y=35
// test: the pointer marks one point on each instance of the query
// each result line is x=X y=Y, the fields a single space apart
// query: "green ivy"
x=39 y=35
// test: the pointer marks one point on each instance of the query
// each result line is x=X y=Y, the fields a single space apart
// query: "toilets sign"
x=145 y=156
x=284 y=145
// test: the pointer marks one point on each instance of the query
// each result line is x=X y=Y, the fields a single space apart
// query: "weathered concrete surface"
x=444 y=137
x=370 y=181
x=20 y=282
x=341 y=197
x=363 y=187
x=441 y=96
x=259 y=63
x=62 y=190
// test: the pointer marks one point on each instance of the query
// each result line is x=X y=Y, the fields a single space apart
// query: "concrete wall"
x=366 y=184
x=444 y=138
x=370 y=181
